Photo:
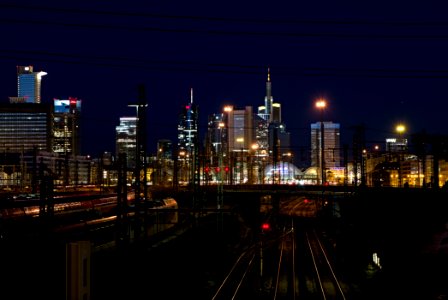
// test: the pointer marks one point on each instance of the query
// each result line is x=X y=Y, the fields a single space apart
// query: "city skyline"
x=374 y=66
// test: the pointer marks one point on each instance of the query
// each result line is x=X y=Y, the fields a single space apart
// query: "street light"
x=400 y=129
x=321 y=105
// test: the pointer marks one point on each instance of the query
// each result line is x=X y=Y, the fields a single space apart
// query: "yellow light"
x=400 y=128
x=228 y=108
x=321 y=104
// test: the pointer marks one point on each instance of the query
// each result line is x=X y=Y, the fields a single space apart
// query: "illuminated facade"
x=216 y=146
x=270 y=131
x=25 y=127
x=332 y=150
x=126 y=139
x=188 y=143
x=66 y=126
x=28 y=85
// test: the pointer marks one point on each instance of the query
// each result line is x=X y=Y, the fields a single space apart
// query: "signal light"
x=207 y=169
x=226 y=169
x=266 y=226
x=218 y=169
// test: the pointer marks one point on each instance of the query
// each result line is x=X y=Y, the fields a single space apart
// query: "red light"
x=265 y=226
x=226 y=169
x=207 y=169
x=218 y=169
x=306 y=200
x=187 y=106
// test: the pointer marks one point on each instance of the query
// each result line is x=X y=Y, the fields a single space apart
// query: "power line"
x=189 y=66
x=349 y=22
x=272 y=34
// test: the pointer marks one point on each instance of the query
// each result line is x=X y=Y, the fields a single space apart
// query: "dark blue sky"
x=377 y=63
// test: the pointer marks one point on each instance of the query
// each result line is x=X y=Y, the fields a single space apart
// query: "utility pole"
x=358 y=147
x=140 y=159
x=122 y=203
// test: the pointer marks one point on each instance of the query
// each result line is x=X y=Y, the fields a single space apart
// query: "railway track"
x=291 y=261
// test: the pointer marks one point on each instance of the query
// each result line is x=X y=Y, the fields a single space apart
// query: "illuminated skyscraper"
x=332 y=149
x=241 y=129
x=66 y=126
x=126 y=139
x=241 y=136
x=216 y=144
x=188 y=142
x=25 y=127
x=271 y=132
x=28 y=85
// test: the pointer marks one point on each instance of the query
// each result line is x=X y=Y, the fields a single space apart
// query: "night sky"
x=376 y=63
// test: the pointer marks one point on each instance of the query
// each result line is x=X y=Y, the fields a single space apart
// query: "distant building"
x=270 y=131
x=240 y=129
x=188 y=142
x=28 y=85
x=164 y=149
x=216 y=134
x=126 y=139
x=25 y=127
x=163 y=174
x=66 y=116
x=332 y=157
x=396 y=144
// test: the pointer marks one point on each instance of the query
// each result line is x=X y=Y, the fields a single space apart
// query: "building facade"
x=28 y=85
x=25 y=127
x=331 y=151
x=271 y=135
x=188 y=143
x=126 y=140
x=66 y=116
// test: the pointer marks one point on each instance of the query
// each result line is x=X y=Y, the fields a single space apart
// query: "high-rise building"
x=241 y=129
x=126 y=140
x=188 y=142
x=241 y=137
x=271 y=133
x=25 y=127
x=28 y=85
x=216 y=143
x=332 y=157
x=66 y=116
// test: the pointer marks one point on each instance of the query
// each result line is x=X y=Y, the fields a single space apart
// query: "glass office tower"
x=187 y=143
x=66 y=126
x=29 y=84
x=126 y=139
x=332 y=150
